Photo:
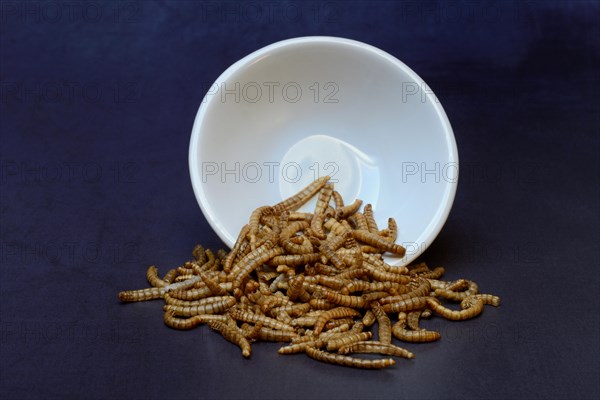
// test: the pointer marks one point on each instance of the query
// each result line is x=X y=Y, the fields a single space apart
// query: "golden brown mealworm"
x=392 y=229
x=338 y=312
x=170 y=276
x=213 y=307
x=401 y=333
x=214 y=287
x=192 y=322
x=373 y=239
x=488 y=299
x=369 y=318
x=349 y=210
x=274 y=301
x=471 y=307
x=328 y=249
x=458 y=296
x=414 y=303
x=348 y=339
x=338 y=359
x=294 y=310
x=329 y=281
x=412 y=320
x=247 y=268
x=335 y=227
x=323 y=199
x=153 y=279
x=246 y=316
x=297 y=200
x=385 y=325
x=337 y=199
x=375 y=347
x=295 y=260
x=336 y=323
x=300 y=347
x=292 y=229
x=435 y=274
x=341 y=299
x=255 y=223
x=181 y=278
x=383 y=276
x=296 y=289
x=321 y=304
x=422 y=290
x=141 y=295
x=233 y=335
x=198 y=254
x=304 y=247
x=228 y=261
x=368 y=213
x=376 y=261
x=359 y=221
x=299 y=216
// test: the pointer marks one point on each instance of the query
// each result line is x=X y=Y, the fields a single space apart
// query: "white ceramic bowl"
x=314 y=106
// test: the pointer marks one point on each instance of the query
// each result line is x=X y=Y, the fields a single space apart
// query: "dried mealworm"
x=233 y=335
x=170 y=276
x=141 y=295
x=337 y=199
x=401 y=333
x=335 y=227
x=213 y=307
x=341 y=299
x=360 y=222
x=294 y=260
x=321 y=304
x=414 y=303
x=384 y=323
x=248 y=267
x=322 y=202
x=471 y=307
x=297 y=200
x=375 y=347
x=192 y=322
x=488 y=299
x=412 y=320
x=348 y=339
x=198 y=254
x=213 y=286
x=368 y=213
x=435 y=274
x=347 y=361
x=422 y=290
x=153 y=279
x=304 y=247
x=377 y=241
x=255 y=223
x=369 y=318
x=346 y=211
x=393 y=230
x=246 y=316
x=228 y=261
x=338 y=312
x=458 y=296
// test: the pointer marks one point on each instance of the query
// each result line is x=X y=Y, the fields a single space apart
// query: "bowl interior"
x=309 y=107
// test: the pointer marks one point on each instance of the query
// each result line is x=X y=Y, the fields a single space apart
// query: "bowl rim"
x=432 y=230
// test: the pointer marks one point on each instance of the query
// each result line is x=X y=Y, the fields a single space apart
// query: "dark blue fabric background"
x=97 y=104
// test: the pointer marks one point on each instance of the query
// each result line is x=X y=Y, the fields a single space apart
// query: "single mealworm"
x=292 y=229
x=359 y=220
x=376 y=261
x=458 y=296
x=335 y=227
x=401 y=333
x=369 y=318
x=253 y=264
x=192 y=294
x=181 y=278
x=377 y=241
x=269 y=322
x=198 y=254
x=141 y=295
x=341 y=299
x=213 y=307
x=322 y=203
x=338 y=312
x=263 y=333
x=255 y=223
x=304 y=247
x=384 y=323
x=328 y=249
x=153 y=279
x=228 y=261
x=336 y=323
x=412 y=320
x=321 y=304
x=347 y=211
x=297 y=200
x=337 y=199
x=294 y=310
x=233 y=335
x=294 y=260
x=348 y=339
x=393 y=230
x=299 y=216
x=214 y=287
x=296 y=289
x=383 y=276
x=414 y=303
x=488 y=299
x=375 y=347
x=371 y=224
x=423 y=289
x=435 y=274
x=192 y=322
x=296 y=348
x=471 y=307
x=170 y=276
x=347 y=361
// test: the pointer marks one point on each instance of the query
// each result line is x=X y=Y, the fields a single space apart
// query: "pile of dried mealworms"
x=315 y=281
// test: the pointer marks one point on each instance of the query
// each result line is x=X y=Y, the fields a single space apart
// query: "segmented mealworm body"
x=347 y=361
x=336 y=323
x=213 y=286
x=472 y=307
x=304 y=247
x=192 y=322
x=422 y=290
x=341 y=299
x=170 y=276
x=401 y=333
x=228 y=261
x=198 y=254
x=383 y=276
x=297 y=200
x=338 y=312
x=385 y=325
x=450 y=294
x=377 y=241
x=322 y=202
x=348 y=339
x=393 y=230
x=337 y=199
x=300 y=216
x=412 y=320
x=294 y=260
x=300 y=347
x=375 y=347
x=346 y=211
x=369 y=318
x=255 y=263
x=233 y=335
x=321 y=304
x=414 y=303
x=271 y=335
x=192 y=294
x=153 y=279
x=246 y=316
x=335 y=227
x=488 y=299
x=213 y=307
x=141 y=295
x=371 y=224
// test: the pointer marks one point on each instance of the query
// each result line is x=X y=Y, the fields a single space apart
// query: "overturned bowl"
x=307 y=107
